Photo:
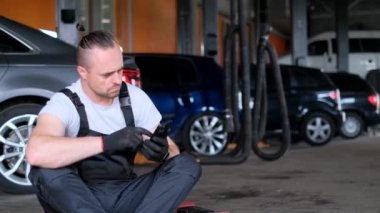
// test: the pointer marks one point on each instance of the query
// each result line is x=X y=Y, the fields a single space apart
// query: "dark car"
x=313 y=103
x=360 y=102
x=189 y=91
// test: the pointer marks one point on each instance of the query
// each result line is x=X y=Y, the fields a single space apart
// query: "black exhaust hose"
x=229 y=124
x=260 y=99
x=234 y=69
x=281 y=98
x=258 y=117
x=244 y=143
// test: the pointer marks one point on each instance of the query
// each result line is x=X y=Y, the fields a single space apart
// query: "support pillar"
x=210 y=27
x=341 y=29
x=67 y=20
x=299 y=32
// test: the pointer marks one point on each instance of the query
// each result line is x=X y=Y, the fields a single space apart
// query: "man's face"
x=104 y=72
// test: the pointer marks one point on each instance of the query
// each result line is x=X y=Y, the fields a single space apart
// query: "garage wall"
x=154 y=23
x=279 y=44
x=155 y=26
x=38 y=13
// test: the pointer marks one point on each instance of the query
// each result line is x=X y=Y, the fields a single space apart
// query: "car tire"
x=16 y=123
x=317 y=129
x=204 y=134
x=353 y=126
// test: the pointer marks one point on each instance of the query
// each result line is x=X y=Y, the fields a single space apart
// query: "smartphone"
x=162 y=129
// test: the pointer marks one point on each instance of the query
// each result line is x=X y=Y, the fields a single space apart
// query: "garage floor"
x=340 y=177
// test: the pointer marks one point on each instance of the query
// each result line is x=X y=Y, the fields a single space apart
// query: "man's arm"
x=49 y=148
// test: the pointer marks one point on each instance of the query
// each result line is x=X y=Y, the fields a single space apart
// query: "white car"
x=364 y=52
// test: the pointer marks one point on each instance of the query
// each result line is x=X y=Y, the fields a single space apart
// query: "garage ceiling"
x=363 y=15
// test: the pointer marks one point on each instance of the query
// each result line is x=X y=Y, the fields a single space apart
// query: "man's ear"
x=82 y=72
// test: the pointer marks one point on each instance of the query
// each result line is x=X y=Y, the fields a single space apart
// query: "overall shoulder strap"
x=125 y=104
x=83 y=128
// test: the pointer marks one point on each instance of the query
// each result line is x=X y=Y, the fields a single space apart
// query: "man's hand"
x=155 y=148
x=128 y=138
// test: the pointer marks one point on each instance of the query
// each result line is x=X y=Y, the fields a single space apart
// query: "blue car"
x=189 y=91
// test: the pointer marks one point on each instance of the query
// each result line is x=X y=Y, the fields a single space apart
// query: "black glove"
x=127 y=138
x=155 y=149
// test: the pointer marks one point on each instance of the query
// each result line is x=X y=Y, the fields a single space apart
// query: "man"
x=83 y=145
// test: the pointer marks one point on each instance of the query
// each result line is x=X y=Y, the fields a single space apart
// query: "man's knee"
x=185 y=164
x=51 y=179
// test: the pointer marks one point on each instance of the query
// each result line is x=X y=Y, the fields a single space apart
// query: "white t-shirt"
x=102 y=119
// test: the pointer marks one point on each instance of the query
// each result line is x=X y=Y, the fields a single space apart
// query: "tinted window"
x=308 y=79
x=347 y=82
x=161 y=72
x=8 y=44
x=271 y=82
x=317 y=48
x=371 y=45
x=355 y=45
x=211 y=75
x=361 y=45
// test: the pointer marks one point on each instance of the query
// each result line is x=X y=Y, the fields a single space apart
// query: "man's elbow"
x=32 y=156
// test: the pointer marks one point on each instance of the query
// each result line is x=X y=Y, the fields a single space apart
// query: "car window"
x=187 y=75
x=349 y=82
x=162 y=72
x=355 y=45
x=371 y=45
x=10 y=45
x=317 y=48
x=270 y=80
x=308 y=79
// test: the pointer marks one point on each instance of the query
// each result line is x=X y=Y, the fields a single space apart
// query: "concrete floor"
x=342 y=176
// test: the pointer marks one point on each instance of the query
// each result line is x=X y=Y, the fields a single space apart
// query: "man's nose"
x=118 y=77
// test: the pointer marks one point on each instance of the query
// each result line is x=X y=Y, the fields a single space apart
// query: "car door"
x=367 y=58
x=319 y=55
x=360 y=60
x=274 y=112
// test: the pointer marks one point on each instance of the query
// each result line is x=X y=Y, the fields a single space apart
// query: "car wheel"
x=353 y=126
x=317 y=129
x=205 y=135
x=16 y=124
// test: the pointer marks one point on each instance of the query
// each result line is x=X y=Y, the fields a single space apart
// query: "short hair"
x=96 y=39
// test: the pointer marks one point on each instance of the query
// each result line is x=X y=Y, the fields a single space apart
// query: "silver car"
x=33 y=66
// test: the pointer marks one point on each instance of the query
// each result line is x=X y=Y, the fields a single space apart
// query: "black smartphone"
x=162 y=129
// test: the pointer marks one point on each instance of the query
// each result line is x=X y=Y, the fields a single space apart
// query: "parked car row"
x=322 y=105
x=313 y=102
